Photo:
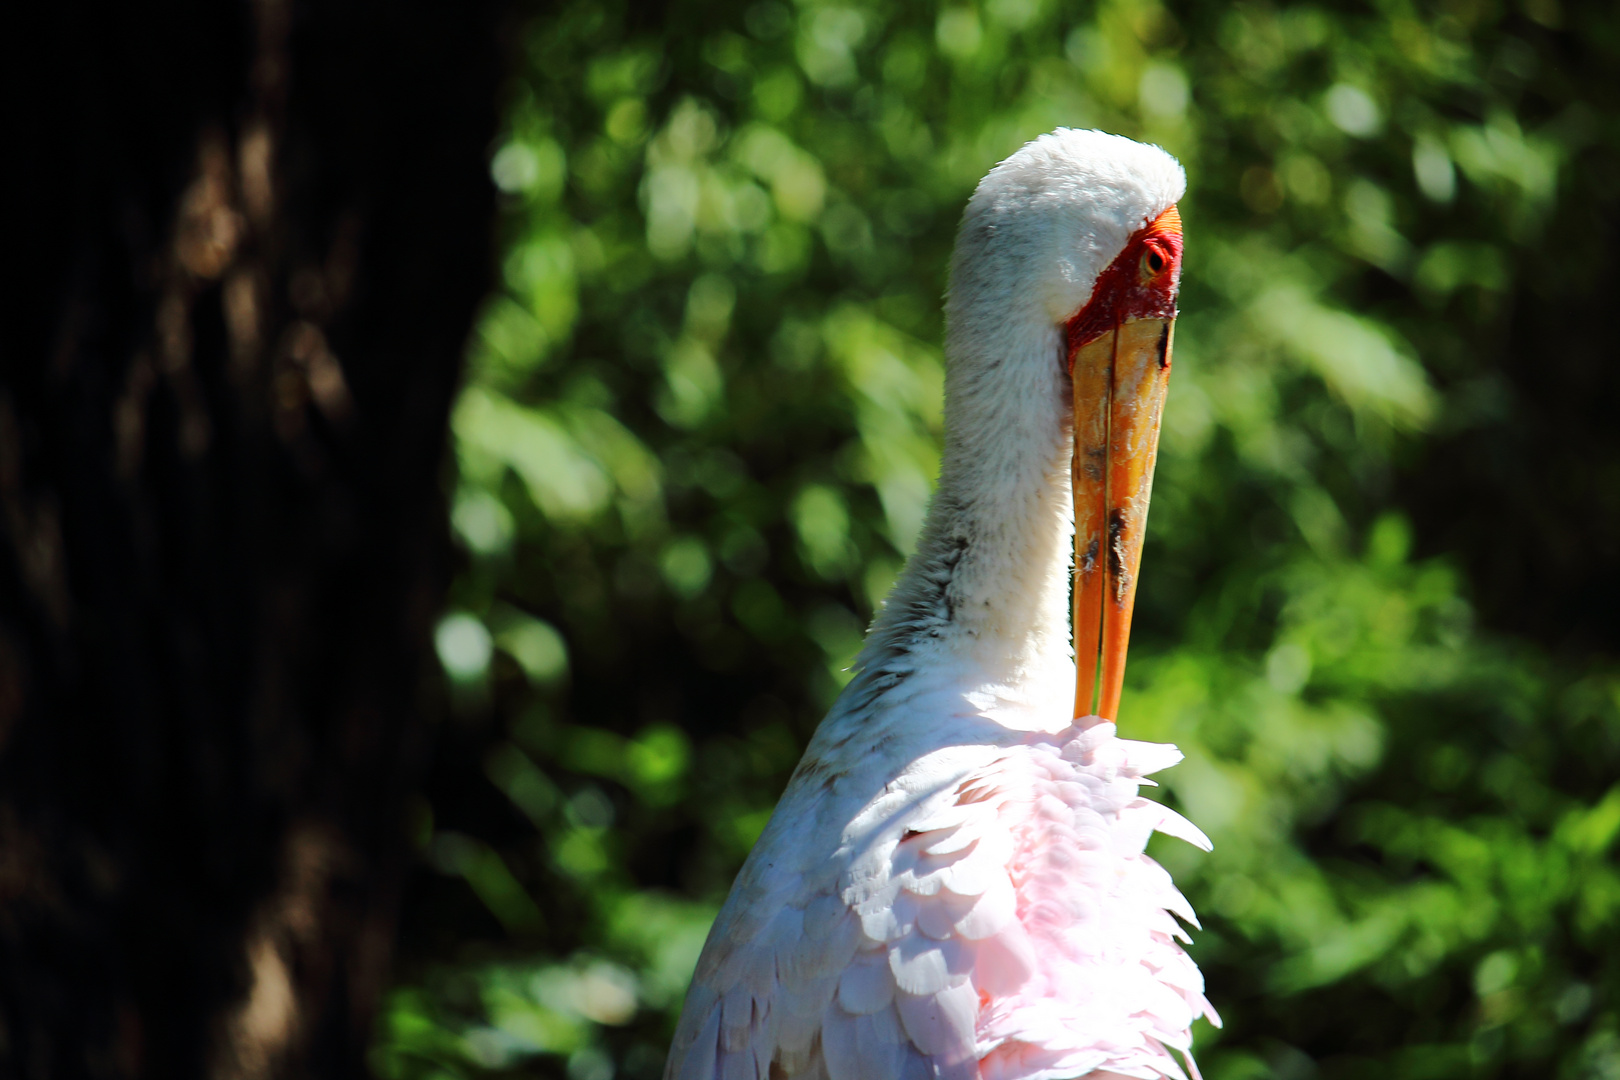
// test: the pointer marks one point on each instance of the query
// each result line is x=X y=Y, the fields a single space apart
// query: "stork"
x=954 y=883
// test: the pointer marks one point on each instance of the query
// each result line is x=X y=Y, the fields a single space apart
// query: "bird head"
x=1079 y=230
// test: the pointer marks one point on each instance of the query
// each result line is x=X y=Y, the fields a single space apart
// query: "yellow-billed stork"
x=953 y=884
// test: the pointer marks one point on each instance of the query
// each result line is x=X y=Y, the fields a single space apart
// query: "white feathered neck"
x=985 y=599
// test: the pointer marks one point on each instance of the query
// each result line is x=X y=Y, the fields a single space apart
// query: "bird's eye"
x=1153 y=263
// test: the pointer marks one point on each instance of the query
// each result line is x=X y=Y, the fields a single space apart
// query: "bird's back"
x=985 y=910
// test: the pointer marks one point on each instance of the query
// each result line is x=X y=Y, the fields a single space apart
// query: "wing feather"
x=937 y=918
x=991 y=912
x=822 y=914
x=942 y=1025
x=924 y=966
x=738 y=1065
x=736 y=1018
x=881 y=1044
x=866 y=985
x=988 y=914
x=838 y=1048
x=809 y=997
x=699 y=1063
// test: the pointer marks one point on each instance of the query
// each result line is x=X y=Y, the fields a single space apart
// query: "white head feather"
x=1043 y=224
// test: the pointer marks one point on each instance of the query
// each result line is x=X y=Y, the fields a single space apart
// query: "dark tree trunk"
x=249 y=247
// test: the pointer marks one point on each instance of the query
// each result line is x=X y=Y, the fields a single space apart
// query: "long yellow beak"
x=1120 y=380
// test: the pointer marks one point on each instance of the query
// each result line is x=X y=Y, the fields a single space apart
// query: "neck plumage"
x=986 y=597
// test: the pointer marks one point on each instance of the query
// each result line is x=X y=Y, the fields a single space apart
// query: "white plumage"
x=953 y=884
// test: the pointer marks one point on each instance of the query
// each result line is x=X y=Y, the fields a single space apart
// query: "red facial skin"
x=1140 y=284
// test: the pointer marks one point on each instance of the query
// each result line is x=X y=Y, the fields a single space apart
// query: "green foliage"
x=701 y=426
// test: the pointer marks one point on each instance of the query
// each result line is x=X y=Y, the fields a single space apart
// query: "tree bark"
x=251 y=242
